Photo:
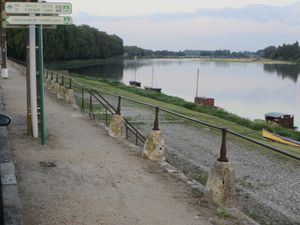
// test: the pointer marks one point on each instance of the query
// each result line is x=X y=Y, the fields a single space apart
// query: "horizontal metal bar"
x=262 y=144
x=206 y=124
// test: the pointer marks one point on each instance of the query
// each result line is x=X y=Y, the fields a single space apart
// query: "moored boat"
x=280 y=139
x=152 y=89
x=135 y=83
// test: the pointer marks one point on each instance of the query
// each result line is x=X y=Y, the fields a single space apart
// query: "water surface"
x=247 y=89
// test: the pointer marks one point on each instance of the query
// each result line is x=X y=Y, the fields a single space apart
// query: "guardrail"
x=95 y=95
x=224 y=131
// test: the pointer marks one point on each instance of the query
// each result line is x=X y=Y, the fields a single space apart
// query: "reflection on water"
x=285 y=71
x=247 y=89
x=112 y=71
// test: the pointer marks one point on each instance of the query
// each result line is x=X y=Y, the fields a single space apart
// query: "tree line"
x=132 y=51
x=67 y=43
x=282 y=52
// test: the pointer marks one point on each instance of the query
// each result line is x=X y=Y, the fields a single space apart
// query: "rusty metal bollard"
x=223 y=150
x=62 y=81
x=156 y=122
x=70 y=83
x=118 y=111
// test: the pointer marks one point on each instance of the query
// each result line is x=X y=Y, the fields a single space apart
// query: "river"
x=246 y=89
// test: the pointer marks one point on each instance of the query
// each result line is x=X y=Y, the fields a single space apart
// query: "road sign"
x=39 y=20
x=38 y=8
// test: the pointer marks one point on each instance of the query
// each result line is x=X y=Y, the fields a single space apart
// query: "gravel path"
x=268 y=184
x=83 y=176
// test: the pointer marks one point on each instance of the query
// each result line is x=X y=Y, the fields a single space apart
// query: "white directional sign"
x=37 y=8
x=39 y=20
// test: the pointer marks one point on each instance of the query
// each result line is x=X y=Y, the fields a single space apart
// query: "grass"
x=211 y=115
x=224 y=213
x=250 y=60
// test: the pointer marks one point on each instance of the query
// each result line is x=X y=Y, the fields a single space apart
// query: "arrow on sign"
x=9 y=7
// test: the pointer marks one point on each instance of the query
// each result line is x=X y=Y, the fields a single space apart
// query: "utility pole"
x=4 y=71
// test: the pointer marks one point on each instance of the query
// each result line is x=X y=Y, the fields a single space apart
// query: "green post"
x=41 y=74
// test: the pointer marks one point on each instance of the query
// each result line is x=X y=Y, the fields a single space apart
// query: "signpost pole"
x=4 y=71
x=51 y=10
x=41 y=74
x=33 y=93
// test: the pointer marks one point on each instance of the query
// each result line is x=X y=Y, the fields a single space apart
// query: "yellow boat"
x=280 y=139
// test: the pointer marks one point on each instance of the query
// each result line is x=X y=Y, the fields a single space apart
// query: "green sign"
x=37 y=8
x=39 y=20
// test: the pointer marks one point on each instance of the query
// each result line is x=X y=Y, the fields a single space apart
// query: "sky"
x=237 y=25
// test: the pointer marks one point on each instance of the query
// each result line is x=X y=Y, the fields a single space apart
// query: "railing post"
x=106 y=119
x=118 y=111
x=62 y=80
x=154 y=147
x=82 y=99
x=70 y=83
x=156 y=122
x=91 y=106
x=223 y=150
x=51 y=75
x=56 y=81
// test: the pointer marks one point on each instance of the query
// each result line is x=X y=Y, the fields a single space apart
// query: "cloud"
x=289 y=15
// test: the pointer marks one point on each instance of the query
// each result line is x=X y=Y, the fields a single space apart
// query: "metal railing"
x=99 y=97
x=95 y=98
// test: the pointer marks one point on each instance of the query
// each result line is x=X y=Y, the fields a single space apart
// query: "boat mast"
x=152 y=78
x=135 y=68
x=197 y=83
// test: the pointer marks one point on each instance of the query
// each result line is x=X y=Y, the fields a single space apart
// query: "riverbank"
x=194 y=148
x=249 y=60
x=71 y=64
x=214 y=116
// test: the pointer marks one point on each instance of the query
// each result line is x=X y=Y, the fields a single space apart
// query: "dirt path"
x=83 y=176
x=267 y=183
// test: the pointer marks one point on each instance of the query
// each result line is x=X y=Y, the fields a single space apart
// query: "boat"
x=203 y=100
x=280 y=139
x=152 y=88
x=134 y=82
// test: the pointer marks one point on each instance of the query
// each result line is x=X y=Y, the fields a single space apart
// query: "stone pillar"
x=117 y=123
x=154 y=148
x=220 y=185
x=69 y=97
x=55 y=89
x=117 y=127
x=61 y=92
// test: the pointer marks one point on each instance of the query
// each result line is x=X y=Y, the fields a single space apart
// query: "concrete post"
x=154 y=148
x=117 y=123
x=220 y=184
